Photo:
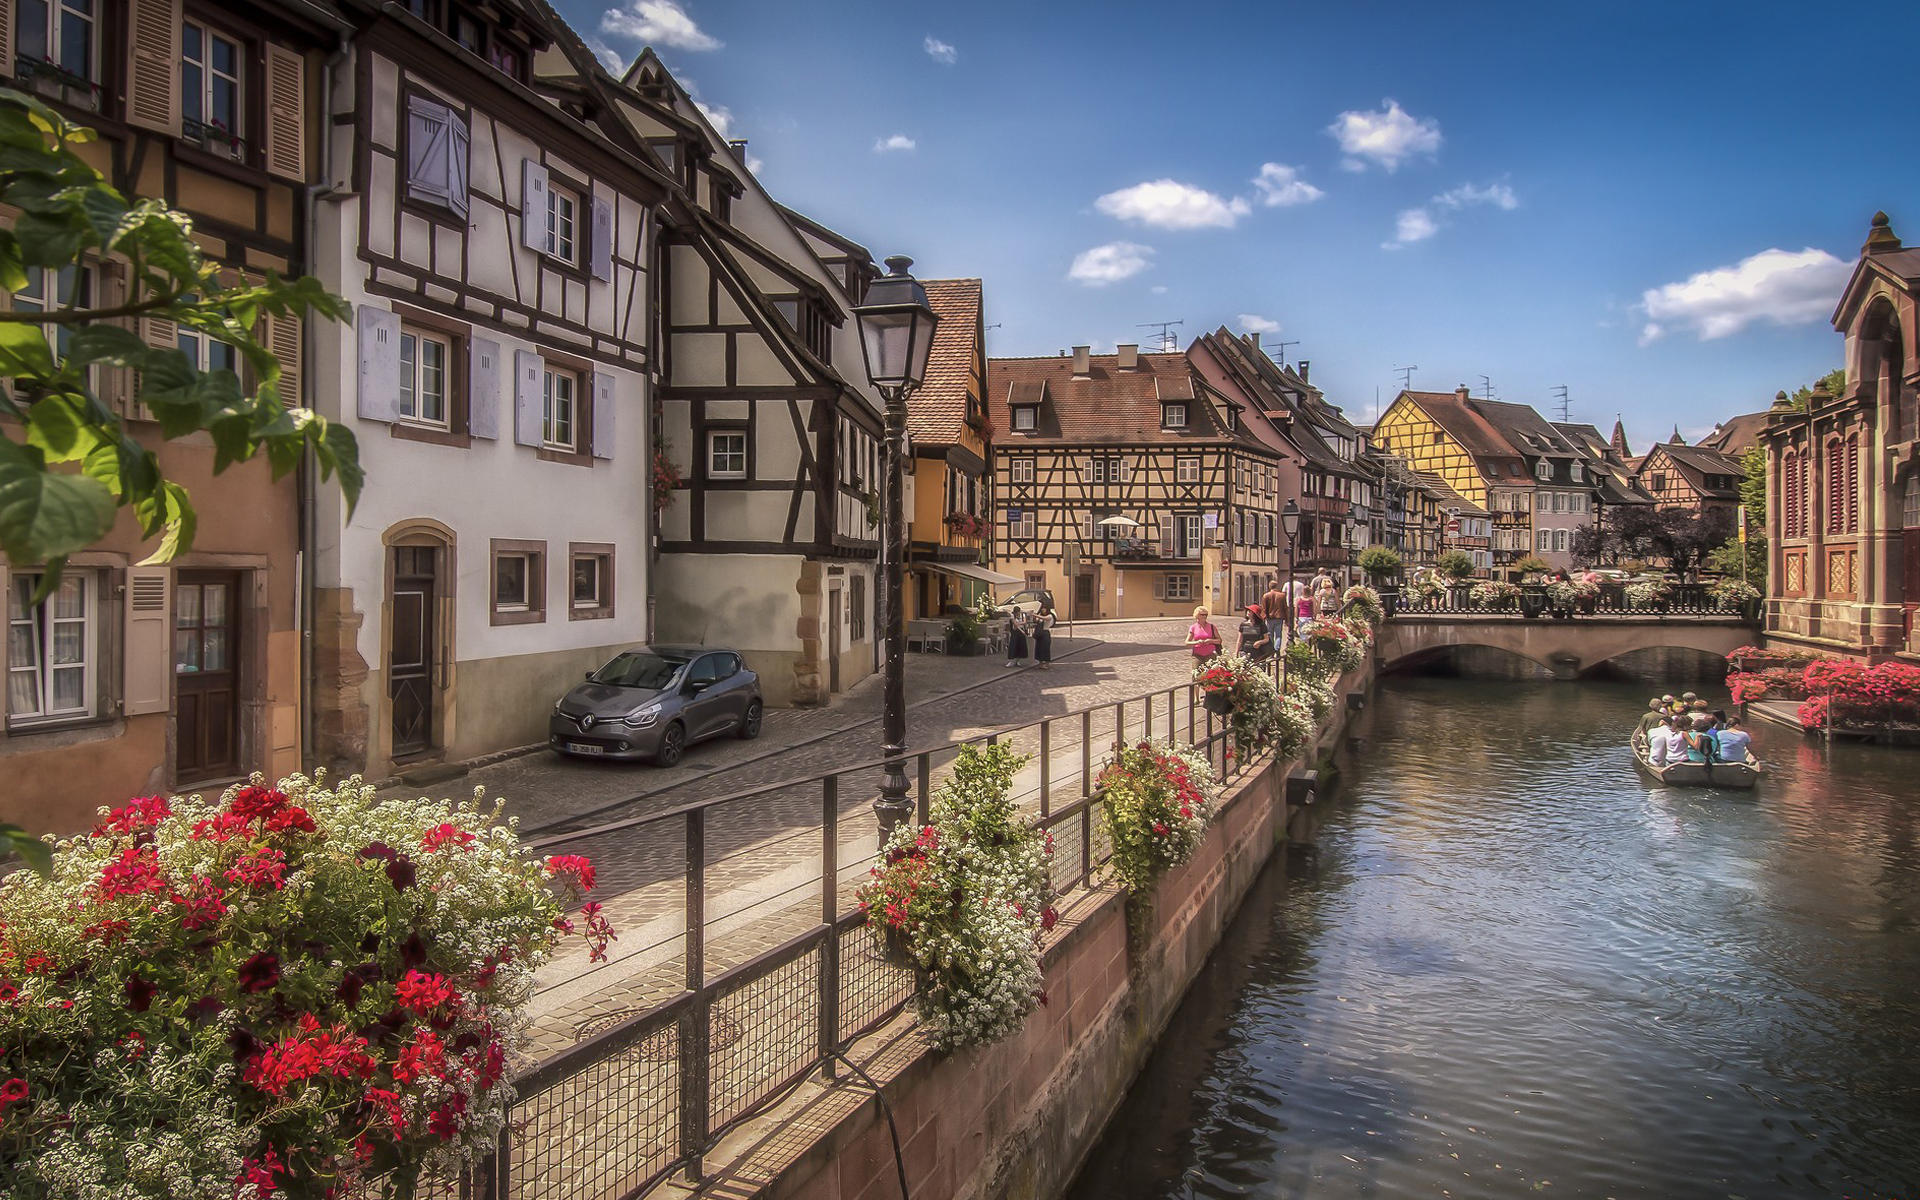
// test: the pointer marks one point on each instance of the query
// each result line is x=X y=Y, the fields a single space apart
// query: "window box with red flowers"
x=296 y=991
x=966 y=525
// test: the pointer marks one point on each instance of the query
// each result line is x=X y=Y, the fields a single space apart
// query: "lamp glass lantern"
x=1290 y=520
x=896 y=328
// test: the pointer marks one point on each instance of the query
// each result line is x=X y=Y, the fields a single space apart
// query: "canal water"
x=1511 y=968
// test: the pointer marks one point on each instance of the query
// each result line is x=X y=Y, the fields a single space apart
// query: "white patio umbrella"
x=1119 y=522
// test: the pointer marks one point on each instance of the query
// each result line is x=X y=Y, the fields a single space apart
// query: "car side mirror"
x=589 y=676
x=692 y=687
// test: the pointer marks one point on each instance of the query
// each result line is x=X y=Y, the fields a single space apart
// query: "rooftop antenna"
x=1566 y=408
x=1167 y=344
x=1486 y=387
x=1406 y=376
x=1283 y=350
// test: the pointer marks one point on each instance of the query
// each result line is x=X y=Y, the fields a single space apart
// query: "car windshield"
x=636 y=669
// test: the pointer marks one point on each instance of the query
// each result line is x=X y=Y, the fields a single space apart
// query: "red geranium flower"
x=424 y=993
x=139 y=993
x=575 y=865
x=260 y=973
x=442 y=834
x=135 y=815
x=264 y=865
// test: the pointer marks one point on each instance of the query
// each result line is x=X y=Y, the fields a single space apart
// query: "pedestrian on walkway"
x=1255 y=640
x=1043 y=623
x=1202 y=637
x=1275 y=609
x=1017 y=625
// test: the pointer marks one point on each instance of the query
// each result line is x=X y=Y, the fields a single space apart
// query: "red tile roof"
x=1106 y=405
x=1736 y=435
x=937 y=412
x=1464 y=424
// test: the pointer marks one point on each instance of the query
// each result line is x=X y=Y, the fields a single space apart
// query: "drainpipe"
x=309 y=475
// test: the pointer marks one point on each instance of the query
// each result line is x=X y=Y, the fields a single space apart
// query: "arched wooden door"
x=1910 y=555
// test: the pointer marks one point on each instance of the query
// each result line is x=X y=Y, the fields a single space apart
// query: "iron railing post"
x=1046 y=767
x=695 y=1101
x=829 y=911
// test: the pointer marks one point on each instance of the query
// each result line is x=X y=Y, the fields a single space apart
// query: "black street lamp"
x=1290 y=527
x=896 y=335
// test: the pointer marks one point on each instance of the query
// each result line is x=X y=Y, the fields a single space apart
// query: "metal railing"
x=743 y=966
x=1687 y=600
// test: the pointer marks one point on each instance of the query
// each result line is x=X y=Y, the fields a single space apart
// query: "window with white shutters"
x=53 y=649
x=437 y=152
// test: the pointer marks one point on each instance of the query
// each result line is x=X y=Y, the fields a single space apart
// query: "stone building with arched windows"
x=1843 y=476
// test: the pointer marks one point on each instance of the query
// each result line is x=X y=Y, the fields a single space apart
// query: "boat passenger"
x=1652 y=719
x=1734 y=741
x=1689 y=697
x=1670 y=704
x=1668 y=745
x=1700 y=744
x=1657 y=743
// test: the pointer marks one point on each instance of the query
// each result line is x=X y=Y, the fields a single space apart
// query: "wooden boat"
x=1693 y=774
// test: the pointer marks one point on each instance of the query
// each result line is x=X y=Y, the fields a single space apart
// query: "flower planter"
x=1390 y=600
x=1218 y=702
x=1750 y=609
x=1533 y=601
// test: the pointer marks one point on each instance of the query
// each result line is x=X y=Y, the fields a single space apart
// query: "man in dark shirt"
x=1277 y=611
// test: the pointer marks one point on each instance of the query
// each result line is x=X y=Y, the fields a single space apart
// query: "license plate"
x=584 y=748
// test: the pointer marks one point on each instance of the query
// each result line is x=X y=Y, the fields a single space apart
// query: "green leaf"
x=32 y=851
x=60 y=425
x=106 y=343
x=47 y=239
x=24 y=351
x=180 y=526
x=44 y=514
x=105 y=213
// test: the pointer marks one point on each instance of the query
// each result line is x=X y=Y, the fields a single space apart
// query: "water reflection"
x=1515 y=969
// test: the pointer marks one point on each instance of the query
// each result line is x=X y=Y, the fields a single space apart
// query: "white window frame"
x=563 y=224
x=40 y=624
x=207 y=136
x=57 y=13
x=1186 y=470
x=413 y=378
x=602 y=568
x=721 y=459
x=1545 y=542
x=1179 y=587
x=1543 y=469
x=531 y=563
x=1560 y=540
x=1026 y=418
x=560 y=412
x=1022 y=470
x=1193 y=530
x=1168 y=410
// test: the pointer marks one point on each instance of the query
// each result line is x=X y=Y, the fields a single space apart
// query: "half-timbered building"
x=1445 y=434
x=129 y=678
x=1141 y=468
x=772 y=541
x=1843 y=476
x=492 y=224
x=1705 y=480
x=949 y=515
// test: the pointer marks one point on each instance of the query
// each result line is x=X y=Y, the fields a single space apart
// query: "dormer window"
x=1577 y=473
x=804 y=317
x=1543 y=469
x=1026 y=418
x=1173 y=415
x=1232 y=420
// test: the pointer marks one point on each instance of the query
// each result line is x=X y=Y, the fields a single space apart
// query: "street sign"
x=1453 y=525
x=1742 y=518
x=1072 y=564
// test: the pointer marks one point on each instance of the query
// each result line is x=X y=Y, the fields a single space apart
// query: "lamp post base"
x=894 y=807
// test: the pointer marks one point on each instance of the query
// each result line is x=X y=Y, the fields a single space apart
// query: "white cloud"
x=1280 y=186
x=721 y=118
x=898 y=141
x=1171 y=205
x=1466 y=196
x=940 y=51
x=1158 y=289
x=1413 y=225
x=1252 y=324
x=657 y=23
x=613 y=60
x=1388 y=137
x=1780 y=287
x=1110 y=263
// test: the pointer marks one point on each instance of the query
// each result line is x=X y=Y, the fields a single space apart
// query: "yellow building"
x=1443 y=434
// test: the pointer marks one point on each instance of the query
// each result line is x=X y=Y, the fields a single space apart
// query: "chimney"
x=1463 y=393
x=739 y=148
x=1305 y=364
x=1082 y=361
x=1129 y=356
x=1254 y=339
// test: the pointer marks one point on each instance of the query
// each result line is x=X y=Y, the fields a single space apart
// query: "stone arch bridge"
x=1565 y=647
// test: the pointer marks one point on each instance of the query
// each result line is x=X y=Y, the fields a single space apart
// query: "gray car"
x=655 y=701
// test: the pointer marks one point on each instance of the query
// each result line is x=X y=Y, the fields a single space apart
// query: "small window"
x=563 y=209
x=1173 y=416
x=1577 y=472
x=559 y=411
x=1179 y=587
x=1025 y=418
x=212 y=105
x=424 y=361
x=57 y=50
x=1436 y=437
x=1186 y=470
x=590 y=584
x=48 y=289
x=52 y=649
x=727 y=454
x=1543 y=469
x=207 y=354
x=1023 y=470
x=857 y=608
x=519 y=582
x=1658 y=482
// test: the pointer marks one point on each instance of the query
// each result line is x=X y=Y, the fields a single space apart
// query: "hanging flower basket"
x=1218 y=702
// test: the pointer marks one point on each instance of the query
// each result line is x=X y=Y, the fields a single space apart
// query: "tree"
x=1380 y=561
x=1455 y=564
x=1835 y=382
x=75 y=463
x=1729 y=558
x=1681 y=536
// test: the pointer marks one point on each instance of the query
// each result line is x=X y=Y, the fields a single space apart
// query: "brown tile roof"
x=1458 y=418
x=937 y=412
x=1736 y=435
x=1448 y=497
x=1106 y=405
x=1695 y=463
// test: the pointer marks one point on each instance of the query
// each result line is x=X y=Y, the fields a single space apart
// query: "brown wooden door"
x=833 y=640
x=1083 y=597
x=206 y=674
x=410 y=650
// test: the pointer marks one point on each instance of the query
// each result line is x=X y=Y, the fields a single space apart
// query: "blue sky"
x=1653 y=204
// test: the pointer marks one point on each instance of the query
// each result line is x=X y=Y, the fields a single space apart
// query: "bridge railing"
x=1687 y=600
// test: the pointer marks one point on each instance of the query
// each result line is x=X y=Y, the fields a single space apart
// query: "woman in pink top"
x=1202 y=638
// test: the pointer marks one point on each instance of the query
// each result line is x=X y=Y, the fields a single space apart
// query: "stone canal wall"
x=1017 y=1119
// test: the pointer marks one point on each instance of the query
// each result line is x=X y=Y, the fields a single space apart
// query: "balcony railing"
x=44 y=77
x=743 y=965
x=214 y=138
x=1687 y=600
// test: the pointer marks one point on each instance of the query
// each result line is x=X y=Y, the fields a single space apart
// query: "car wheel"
x=750 y=724
x=673 y=743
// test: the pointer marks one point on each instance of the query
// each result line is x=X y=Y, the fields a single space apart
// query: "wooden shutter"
x=281 y=336
x=428 y=154
x=533 y=204
x=602 y=387
x=529 y=376
x=153 y=65
x=114 y=385
x=379 y=337
x=1166 y=536
x=6 y=56
x=286 y=132
x=458 y=154
x=1159 y=586
x=483 y=388
x=161 y=334
x=1126 y=470
x=148 y=663
x=602 y=248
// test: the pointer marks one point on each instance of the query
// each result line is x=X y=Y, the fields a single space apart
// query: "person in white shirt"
x=1666 y=743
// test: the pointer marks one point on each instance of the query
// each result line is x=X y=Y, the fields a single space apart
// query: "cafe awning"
x=970 y=571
